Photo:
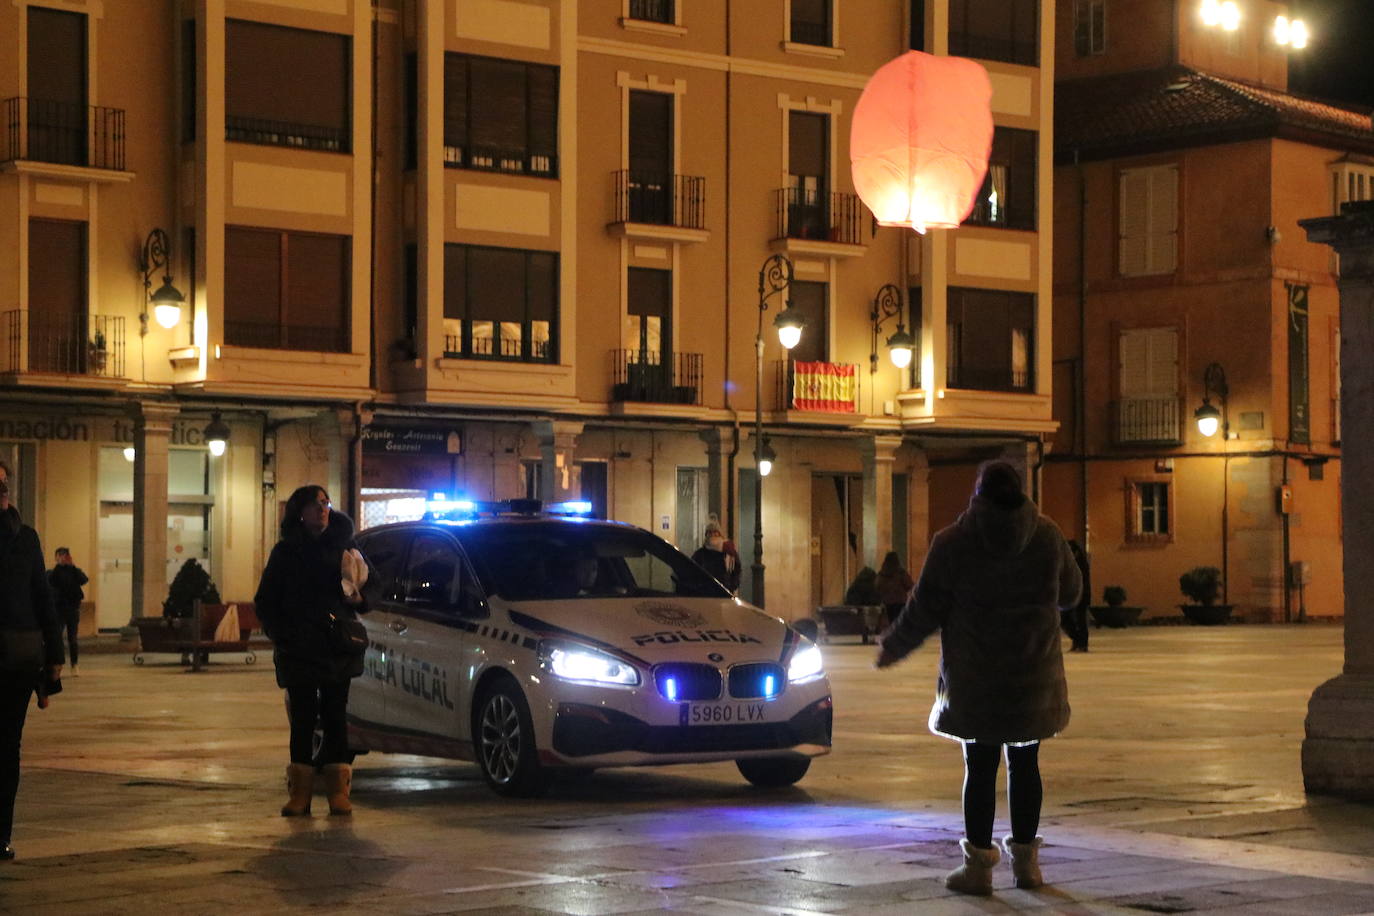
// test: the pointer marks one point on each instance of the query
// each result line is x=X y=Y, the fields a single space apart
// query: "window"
x=1089 y=27
x=1007 y=198
x=1149 y=508
x=500 y=303
x=917 y=21
x=385 y=551
x=1148 y=406
x=500 y=115
x=188 y=81
x=1299 y=389
x=810 y=23
x=56 y=107
x=991 y=338
x=651 y=157
x=653 y=11
x=1351 y=180
x=1147 y=229
x=432 y=575
x=286 y=290
x=1005 y=30
x=648 y=319
x=57 y=296
x=311 y=110
x=808 y=175
x=809 y=299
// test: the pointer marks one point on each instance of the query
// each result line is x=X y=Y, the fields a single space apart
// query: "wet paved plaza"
x=1176 y=788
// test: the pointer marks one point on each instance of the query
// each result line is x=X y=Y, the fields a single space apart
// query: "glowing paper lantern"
x=920 y=141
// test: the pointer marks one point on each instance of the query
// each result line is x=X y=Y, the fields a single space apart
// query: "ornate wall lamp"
x=901 y=345
x=166 y=302
x=1208 y=417
x=216 y=435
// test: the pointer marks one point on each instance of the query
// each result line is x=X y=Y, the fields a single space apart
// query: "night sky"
x=1338 y=63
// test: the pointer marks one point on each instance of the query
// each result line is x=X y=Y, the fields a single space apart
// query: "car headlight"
x=578 y=663
x=806 y=664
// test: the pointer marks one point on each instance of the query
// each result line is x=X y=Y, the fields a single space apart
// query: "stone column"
x=714 y=437
x=878 y=454
x=152 y=432
x=918 y=511
x=1338 y=753
x=559 y=475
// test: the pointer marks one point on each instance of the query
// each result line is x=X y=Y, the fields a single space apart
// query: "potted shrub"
x=1114 y=612
x=1203 y=585
x=191 y=582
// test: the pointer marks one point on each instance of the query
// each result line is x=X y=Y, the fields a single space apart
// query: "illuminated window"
x=1007 y=198
x=1149 y=511
x=500 y=303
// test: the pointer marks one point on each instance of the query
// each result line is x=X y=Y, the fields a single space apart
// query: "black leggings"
x=1024 y=792
x=329 y=704
x=16 y=687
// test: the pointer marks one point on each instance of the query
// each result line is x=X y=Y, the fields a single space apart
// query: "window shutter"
x=543 y=111
x=651 y=133
x=1135 y=359
x=1149 y=362
x=455 y=101
x=1132 y=251
x=1163 y=210
x=498 y=116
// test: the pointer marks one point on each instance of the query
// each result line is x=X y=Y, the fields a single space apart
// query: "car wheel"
x=773 y=772
x=505 y=743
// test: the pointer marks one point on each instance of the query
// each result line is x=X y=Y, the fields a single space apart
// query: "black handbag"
x=347 y=635
x=21 y=650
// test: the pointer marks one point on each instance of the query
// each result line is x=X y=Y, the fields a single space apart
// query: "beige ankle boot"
x=338 y=782
x=1025 y=862
x=300 y=783
x=975 y=875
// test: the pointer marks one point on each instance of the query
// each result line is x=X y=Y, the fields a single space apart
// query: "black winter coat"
x=25 y=599
x=300 y=588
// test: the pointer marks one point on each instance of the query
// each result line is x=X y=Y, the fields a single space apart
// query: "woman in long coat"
x=303 y=588
x=993 y=584
x=27 y=616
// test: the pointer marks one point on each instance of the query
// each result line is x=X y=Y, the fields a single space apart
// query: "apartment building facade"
x=501 y=248
x=1182 y=279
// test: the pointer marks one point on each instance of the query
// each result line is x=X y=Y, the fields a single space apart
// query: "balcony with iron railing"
x=62 y=133
x=260 y=131
x=652 y=11
x=36 y=341
x=508 y=348
x=509 y=161
x=1149 y=420
x=273 y=336
x=826 y=221
x=656 y=206
x=652 y=377
x=817 y=387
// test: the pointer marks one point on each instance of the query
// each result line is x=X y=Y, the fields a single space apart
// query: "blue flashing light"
x=571 y=507
x=768 y=685
x=440 y=497
x=440 y=506
x=670 y=688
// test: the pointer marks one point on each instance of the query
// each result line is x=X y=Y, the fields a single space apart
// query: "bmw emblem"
x=716 y=657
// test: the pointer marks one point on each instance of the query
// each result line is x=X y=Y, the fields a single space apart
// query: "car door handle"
x=398 y=627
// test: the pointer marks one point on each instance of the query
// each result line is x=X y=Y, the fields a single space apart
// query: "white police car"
x=530 y=641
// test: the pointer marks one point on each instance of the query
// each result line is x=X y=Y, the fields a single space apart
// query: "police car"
x=531 y=640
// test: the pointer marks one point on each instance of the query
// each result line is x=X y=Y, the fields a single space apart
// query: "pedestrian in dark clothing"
x=30 y=646
x=314 y=575
x=993 y=585
x=863 y=591
x=66 y=579
x=1075 y=619
x=718 y=557
x=894 y=585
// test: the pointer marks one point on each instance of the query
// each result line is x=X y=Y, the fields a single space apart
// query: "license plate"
x=721 y=713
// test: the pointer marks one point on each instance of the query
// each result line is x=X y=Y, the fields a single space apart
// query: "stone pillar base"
x=1338 y=753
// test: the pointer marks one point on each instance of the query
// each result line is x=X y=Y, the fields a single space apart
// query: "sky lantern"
x=920 y=140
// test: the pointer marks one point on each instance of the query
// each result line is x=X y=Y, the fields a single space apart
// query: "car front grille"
x=757 y=681
x=683 y=681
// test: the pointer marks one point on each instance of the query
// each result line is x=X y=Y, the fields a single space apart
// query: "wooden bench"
x=864 y=621
x=193 y=638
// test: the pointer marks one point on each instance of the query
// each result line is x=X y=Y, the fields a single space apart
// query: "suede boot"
x=1025 y=862
x=300 y=783
x=338 y=781
x=975 y=875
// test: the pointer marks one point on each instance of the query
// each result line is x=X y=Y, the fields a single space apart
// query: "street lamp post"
x=167 y=299
x=775 y=276
x=1209 y=419
x=901 y=345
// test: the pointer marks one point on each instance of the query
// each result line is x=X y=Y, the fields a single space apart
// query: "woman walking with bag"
x=30 y=646
x=314 y=584
x=993 y=585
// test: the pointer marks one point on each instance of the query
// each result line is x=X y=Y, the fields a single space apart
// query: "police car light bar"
x=570 y=507
x=440 y=508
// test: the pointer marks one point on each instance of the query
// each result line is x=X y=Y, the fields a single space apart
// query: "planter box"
x=1116 y=617
x=1207 y=615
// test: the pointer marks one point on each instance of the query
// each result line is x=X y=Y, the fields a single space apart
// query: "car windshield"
x=565 y=560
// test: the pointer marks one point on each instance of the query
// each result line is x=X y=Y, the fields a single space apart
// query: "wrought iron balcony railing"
x=826 y=216
x=652 y=11
x=63 y=133
x=655 y=378
x=280 y=133
x=819 y=387
x=272 y=336
x=541 y=163
x=1148 y=420
x=661 y=200
x=63 y=344
x=504 y=348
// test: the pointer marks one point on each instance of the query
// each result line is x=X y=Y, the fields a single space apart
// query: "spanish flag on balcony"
x=829 y=387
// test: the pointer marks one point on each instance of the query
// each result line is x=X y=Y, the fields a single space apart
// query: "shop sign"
x=411 y=440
